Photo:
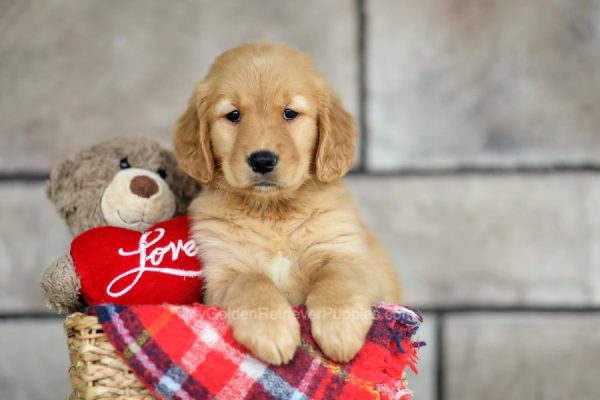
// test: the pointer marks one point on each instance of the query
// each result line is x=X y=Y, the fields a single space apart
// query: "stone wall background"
x=478 y=166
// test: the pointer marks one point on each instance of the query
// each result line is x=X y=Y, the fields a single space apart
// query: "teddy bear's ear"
x=59 y=181
x=184 y=187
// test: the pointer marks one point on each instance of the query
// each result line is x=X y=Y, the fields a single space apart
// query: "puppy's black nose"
x=262 y=161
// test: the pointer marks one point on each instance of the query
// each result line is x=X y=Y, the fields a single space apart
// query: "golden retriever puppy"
x=276 y=225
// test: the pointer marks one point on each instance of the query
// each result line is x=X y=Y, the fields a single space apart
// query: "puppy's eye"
x=124 y=163
x=233 y=116
x=162 y=173
x=289 y=114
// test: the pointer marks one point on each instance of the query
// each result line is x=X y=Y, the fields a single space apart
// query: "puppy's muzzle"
x=262 y=162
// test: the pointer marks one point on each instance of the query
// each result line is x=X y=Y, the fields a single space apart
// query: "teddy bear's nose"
x=143 y=186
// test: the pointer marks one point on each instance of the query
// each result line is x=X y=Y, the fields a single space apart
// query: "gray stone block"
x=484 y=83
x=524 y=356
x=77 y=72
x=499 y=240
x=504 y=240
x=35 y=361
x=31 y=236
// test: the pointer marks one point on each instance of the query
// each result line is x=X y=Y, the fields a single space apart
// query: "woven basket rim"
x=97 y=371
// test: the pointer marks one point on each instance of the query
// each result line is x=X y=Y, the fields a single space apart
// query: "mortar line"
x=440 y=391
x=24 y=176
x=551 y=169
x=499 y=309
x=437 y=311
x=467 y=170
x=362 y=84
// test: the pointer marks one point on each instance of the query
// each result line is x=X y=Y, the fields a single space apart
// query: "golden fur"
x=289 y=237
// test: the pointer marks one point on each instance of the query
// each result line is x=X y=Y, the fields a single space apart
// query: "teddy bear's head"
x=131 y=183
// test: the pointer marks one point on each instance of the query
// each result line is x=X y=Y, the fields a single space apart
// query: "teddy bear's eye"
x=124 y=163
x=162 y=172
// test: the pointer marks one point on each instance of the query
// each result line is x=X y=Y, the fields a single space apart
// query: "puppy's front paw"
x=270 y=334
x=341 y=331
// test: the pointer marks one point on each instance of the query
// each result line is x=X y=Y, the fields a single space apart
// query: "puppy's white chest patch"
x=279 y=270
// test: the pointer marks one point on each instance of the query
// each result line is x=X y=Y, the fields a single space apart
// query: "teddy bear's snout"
x=137 y=198
x=143 y=186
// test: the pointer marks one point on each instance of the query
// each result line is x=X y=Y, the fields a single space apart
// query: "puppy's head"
x=263 y=122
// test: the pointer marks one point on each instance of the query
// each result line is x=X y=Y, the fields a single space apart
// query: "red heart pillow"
x=121 y=266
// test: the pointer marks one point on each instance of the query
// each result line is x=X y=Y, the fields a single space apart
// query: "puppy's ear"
x=337 y=139
x=192 y=142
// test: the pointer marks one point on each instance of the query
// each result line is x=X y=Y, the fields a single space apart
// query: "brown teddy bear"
x=128 y=183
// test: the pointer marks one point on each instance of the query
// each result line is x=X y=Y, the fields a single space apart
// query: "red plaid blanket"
x=188 y=352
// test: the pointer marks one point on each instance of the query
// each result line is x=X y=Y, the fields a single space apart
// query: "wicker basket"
x=96 y=371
